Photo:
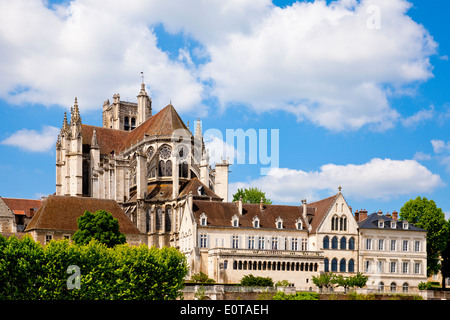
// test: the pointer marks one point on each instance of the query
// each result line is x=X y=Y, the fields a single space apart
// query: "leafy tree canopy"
x=101 y=226
x=251 y=195
x=426 y=215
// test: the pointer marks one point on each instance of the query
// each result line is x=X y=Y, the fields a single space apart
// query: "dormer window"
x=235 y=221
x=299 y=224
x=279 y=223
x=393 y=225
x=255 y=222
x=203 y=219
x=380 y=223
x=405 y=225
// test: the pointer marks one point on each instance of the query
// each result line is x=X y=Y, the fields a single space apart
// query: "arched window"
x=393 y=287
x=342 y=264
x=381 y=286
x=334 y=223
x=133 y=123
x=405 y=287
x=159 y=218
x=343 y=223
x=334 y=265
x=343 y=243
x=351 y=265
x=351 y=243
x=126 y=123
x=326 y=242
x=334 y=243
x=168 y=226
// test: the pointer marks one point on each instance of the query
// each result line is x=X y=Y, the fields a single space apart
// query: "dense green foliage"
x=424 y=214
x=201 y=278
x=328 y=279
x=296 y=296
x=252 y=281
x=101 y=226
x=251 y=195
x=31 y=271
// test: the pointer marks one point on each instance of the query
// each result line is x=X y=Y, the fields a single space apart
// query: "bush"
x=296 y=296
x=30 y=271
x=252 y=281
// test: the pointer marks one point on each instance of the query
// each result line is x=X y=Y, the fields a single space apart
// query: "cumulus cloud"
x=32 y=140
x=379 y=179
x=90 y=50
x=335 y=65
x=324 y=63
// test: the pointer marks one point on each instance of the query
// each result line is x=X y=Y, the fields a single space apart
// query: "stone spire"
x=65 y=127
x=198 y=129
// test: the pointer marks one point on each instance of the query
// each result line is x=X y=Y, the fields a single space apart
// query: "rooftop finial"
x=142 y=76
x=339 y=189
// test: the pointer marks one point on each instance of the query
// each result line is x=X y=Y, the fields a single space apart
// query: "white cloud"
x=440 y=146
x=380 y=179
x=90 y=50
x=322 y=63
x=218 y=149
x=419 y=117
x=31 y=140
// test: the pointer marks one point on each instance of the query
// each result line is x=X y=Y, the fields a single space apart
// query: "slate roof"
x=61 y=213
x=371 y=222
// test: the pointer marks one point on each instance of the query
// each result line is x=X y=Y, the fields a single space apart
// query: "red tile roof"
x=61 y=213
x=24 y=206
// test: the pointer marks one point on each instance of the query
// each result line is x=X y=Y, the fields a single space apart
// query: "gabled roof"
x=26 y=207
x=322 y=207
x=220 y=214
x=61 y=213
x=199 y=190
x=371 y=222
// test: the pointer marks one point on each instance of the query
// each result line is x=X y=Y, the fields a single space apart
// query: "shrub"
x=252 y=281
x=296 y=296
x=30 y=271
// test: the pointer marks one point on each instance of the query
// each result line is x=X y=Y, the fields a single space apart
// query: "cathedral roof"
x=61 y=213
x=198 y=189
x=165 y=122
x=108 y=139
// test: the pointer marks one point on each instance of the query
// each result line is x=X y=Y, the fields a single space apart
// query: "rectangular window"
x=393 y=267
x=405 y=245
x=417 y=246
x=251 y=242
x=393 y=245
x=417 y=268
x=405 y=267
x=367 y=266
x=203 y=238
x=380 y=266
x=381 y=244
x=235 y=242
x=261 y=243
x=304 y=244
x=274 y=243
x=294 y=244
x=48 y=238
x=368 y=244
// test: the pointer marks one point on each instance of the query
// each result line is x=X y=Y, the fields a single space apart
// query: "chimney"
x=305 y=208
x=357 y=215
x=240 y=205
x=261 y=204
x=395 y=215
x=362 y=214
x=380 y=213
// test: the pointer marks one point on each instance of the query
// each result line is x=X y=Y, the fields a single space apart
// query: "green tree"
x=251 y=195
x=101 y=226
x=445 y=255
x=426 y=215
x=324 y=280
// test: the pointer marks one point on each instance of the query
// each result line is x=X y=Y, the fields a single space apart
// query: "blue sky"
x=358 y=90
